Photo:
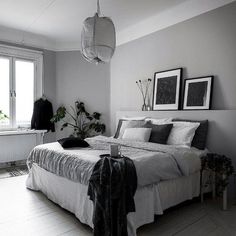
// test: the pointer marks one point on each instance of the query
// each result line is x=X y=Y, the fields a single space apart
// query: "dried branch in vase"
x=143 y=86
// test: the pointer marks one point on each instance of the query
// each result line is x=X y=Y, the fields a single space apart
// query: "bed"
x=164 y=174
x=62 y=175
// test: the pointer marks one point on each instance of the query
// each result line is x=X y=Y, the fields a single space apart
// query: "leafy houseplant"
x=222 y=166
x=83 y=123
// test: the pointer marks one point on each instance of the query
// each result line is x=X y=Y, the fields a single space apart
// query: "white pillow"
x=130 y=124
x=182 y=133
x=159 y=121
x=137 y=134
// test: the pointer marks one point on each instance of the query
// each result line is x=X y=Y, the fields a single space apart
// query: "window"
x=20 y=85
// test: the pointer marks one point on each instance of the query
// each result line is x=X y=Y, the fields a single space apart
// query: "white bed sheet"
x=149 y=200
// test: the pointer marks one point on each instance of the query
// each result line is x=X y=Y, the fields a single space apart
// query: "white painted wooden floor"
x=27 y=213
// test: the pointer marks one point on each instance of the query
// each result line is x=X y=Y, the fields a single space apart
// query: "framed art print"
x=197 y=93
x=166 y=89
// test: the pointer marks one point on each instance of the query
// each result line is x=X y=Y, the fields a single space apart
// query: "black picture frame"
x=198 y=93
x=167 y=89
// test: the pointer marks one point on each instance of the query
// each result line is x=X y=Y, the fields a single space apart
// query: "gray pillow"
x=160 y=133
x=123 y=124
x=200 y=137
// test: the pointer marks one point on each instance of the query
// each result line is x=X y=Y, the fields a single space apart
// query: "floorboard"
x=25 y=213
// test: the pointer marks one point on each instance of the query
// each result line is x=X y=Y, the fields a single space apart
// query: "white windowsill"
x=21 y=132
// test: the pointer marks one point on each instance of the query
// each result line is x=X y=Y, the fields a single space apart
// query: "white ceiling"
x=56 y=24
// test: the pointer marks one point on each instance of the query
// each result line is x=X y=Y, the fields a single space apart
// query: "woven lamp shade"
x=98 y=39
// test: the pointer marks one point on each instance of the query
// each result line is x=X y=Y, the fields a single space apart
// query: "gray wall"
x=204 y=45
x=79 y=79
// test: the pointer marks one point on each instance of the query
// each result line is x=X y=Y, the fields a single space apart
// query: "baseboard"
x=12 y=163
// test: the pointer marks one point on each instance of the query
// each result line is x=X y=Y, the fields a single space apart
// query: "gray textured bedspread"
x=153 y=162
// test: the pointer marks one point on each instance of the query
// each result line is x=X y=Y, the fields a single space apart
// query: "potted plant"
x=83 y=123
x=221 y=166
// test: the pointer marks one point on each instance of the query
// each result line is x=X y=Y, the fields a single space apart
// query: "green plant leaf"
x=3 y=116
x=80 y=107
x=96 y=115
x=87 y=114
x=89 y=118
x=64 y=125
x=99 y=128
x=60 y=114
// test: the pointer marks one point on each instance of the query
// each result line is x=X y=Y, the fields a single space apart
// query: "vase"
x=149 y=108
x=144 y=107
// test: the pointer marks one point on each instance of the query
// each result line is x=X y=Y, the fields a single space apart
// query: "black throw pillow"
x=160 y=133
x=200 y=137
x=71 y=142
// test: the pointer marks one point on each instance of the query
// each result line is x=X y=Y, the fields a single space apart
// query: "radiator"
x=16 y=145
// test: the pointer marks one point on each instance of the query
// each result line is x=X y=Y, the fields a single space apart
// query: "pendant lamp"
x=98 y=38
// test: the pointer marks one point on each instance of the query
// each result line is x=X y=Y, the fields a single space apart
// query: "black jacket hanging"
x=42 y=114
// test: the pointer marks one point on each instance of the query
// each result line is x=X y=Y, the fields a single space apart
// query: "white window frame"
x=16 y=53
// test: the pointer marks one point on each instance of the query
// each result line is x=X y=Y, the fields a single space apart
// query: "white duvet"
x=153 y=162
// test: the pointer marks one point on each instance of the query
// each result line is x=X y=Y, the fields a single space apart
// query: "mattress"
x=150 y=200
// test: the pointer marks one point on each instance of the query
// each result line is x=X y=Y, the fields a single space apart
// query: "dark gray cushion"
x=200 y=137
x=72 y=142
x=160 y=133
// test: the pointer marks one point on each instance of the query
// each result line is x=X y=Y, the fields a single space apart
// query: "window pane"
x=4 y=89
x=24 y=76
